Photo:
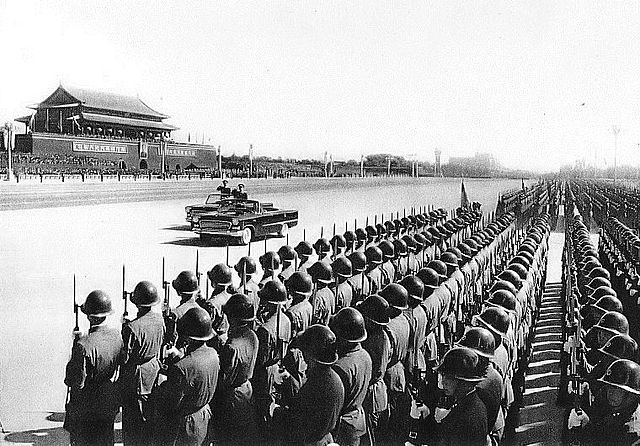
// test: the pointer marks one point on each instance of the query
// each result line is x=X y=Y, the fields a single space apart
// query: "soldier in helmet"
x=221 y=278
x=288 y=258
x=350 y=241
x=373 y=272
x=142 y=339
x=305 y=254
x=186 y=285
x=93 y=399
x=455 y=283
x=300 y=288
x=315 y=410
x=401 y=259
x=341 y=268
x=338 y=246
x=354 y=368
x=412 y=249
x=387 y=268
x=324 y=299
x=358 y=281
x=361 y=238
x=431 y=306
x=270 y=264
x=182 y=401
x=246 y=269
x=323 y=248
x=233 y=407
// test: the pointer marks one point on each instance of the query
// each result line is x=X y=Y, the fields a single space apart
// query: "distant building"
x=437 y=168
x=87 y=123
x=479 y=165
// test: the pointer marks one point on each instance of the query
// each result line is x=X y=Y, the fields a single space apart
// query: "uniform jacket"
x=398 y=331
x=354 y=369
x=344 y=295
x=300 y=314
x=466 y=424
x=238 y=358
x=388 y=272
x=185 y=306
x=490 y=392
x=375 y=280
x=379 y=348
x=324 y=305
x=361 y=287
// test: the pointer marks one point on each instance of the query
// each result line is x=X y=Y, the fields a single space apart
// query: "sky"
x=538 y=84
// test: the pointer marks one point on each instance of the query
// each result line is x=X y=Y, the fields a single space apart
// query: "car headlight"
x=235 y=222
x=196 y=218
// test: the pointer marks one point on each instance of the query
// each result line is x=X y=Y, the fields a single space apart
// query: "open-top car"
x=211 y=204
x=243 y=221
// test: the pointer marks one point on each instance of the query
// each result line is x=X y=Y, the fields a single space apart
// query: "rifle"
x=75 y=306
x=168 y=316
x=198 y=273
x=125 y=294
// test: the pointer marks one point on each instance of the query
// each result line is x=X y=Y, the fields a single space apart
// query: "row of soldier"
x=601 y=376
x=261 y=359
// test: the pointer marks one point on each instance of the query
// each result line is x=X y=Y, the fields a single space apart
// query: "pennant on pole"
x=464 y=200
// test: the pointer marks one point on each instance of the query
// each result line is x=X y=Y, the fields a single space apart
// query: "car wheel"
x=247 y=235
x=284 y=230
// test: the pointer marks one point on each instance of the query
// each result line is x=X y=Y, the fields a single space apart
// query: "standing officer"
x=246 y=269
x=387 y=268
x=338 y=245
x=233 y=407
x=221 y=278
x=354 y=368
x=305 y=253
x=186 y=285
x=344 y=292
x=93 y=400
x=142 y=338
x=323 y=248
x=358 y=281
x=300 y=287
x=324 y=300
x=288 y=257
x=182 y=401
x=270 y=263
x=373 y=272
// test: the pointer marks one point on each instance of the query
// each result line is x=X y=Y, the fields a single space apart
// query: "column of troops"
x=414 y=330
x=600 y=373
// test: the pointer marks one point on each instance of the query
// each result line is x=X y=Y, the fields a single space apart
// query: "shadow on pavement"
x=178 y=228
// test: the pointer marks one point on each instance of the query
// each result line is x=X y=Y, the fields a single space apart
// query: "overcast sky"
x=538 y=84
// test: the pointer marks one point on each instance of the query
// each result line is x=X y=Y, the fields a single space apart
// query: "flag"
x=523 y=186
x=464 y=200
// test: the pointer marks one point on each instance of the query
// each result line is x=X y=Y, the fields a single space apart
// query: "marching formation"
x=413 y=330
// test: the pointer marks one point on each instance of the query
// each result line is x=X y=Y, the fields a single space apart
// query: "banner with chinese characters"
x=99 y=147
x=181 y=152
x=144 y=150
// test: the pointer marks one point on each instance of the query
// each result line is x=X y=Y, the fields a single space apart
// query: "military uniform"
x=466 y=424
x=324 y=305
x=376 y=403
x=185 y=306
x=361 y=287
x=344 y=295
x=388 y=273
x=301 y=315
x=375 y=280
x=93 y=403
x=398 y=331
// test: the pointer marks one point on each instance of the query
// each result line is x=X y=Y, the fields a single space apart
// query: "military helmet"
x=342 y=267
x=466 y=252
x=273 y=292
x=349 y=238
x=319 y=342
x=322 y=246
x=361 y=235
x=380 y=229
x=621 y=347
x=495 y=319
x=428 y=237
x=439 y=267
x=348 y=325
x=512 y=277
x=220 y=275
x=521 y=260
x=145 y=294
x=527 y=248
x=195 y=324
x=421 y=242
x=389 y=226
x=299 y=283
x=396 y=295
x=527 y=255
x=373 y=255
x=304 y=248
x=337 y=242
x=270 y=260
x=97 y=304
x=460 y=363
x=597 y=282
x=410 y=242
x=387 y=249
x=608 y=303
x=471 y=243
x=414 y=287
x=186 y=282
x=321 y=272
x=598 y=271
x=503 y=285
x=358 y=261
x=240 y=307
x=375 y=309
x=400 y=248
x=429 y=277
x=519 y=269
x=371 y=231
x=601 y=291
x=480 y=340
x=286 y=253
x=248 y=264
x=613 y=322
x=504 y=299
x=623 y=374
x=455 y=251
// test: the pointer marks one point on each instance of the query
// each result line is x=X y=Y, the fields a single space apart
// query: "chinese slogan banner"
x=98 y=147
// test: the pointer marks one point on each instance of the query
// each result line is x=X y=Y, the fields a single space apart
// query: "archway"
x=143 y=165
x=178 y=168
x=122 y=165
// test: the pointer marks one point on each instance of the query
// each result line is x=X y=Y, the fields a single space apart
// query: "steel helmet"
x=319 y=343
x=503 y=298
x=598 y=271
x=449 y=259
x=428 y=237
x=528 y=248
x=380 y=229
x=536 y=236
x=511 y=277
x=97 y=304
x=375 y=309
x=387 y=249
x=613 y=322
x=597 y=282
x=465 y=251
x=621 y=347
x=342 y=267
x=439 y=267
x=248 y=264
x=421 y=241
x=195 y=324
x=400 y=248
x=519 y=258
x=600 y=292
x=349 y=238
x=304 y=248
x=358 y=261
x=503 y=285
x=389 y=226
x=471 y=243
x=240 y=307
x=371 y=231
x=186 y=282
x=623 y=374
x=480 y=340
x=273 y=292
x=145 y=294
x=520 y=270
x=527 y=255
x=406 y=223
x=321 y=272
x=220 y=275
x=286 y=253
x=269 y=260
x=348 y=325
x=414 y=287
x=455 y=251
x=361 y=235
x=608 y=303
x=429 y=277
x=410 y=242
x=299 y=283
x=373 y=255
x=495 y=319
x=460 y=363
x=396 y=295
x=338 y=242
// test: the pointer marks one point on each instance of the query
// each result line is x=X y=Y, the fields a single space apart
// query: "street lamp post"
x=8 y=135
x=616 y=130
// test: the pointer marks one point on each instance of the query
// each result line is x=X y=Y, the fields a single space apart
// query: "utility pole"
x=388 y=166
x=616 y=130
x=324 y=163
x=362 y=166
x=250 y=159
x=220 y=161
x=8 y=135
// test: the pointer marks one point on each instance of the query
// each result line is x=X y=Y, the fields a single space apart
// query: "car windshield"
x=238 y=206
x=213 y=199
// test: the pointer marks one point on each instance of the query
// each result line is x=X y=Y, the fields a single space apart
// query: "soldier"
x=182 y=401
x=93 y=400
x=358 y=281
x=412 y=249
x=415 y=364
x=338 y=245
x=456 y=285
x=288 y=257
x=233 y=406
x=142 y=339
x=270 y=264
x=186 y=285
x=323 y=300
x=341 y=268
x=372 y=272
x=354 y=368
x=225 y=191
x=305 y=254
x=387 y=268
x=372 y=234
x=221 y=278
x=375 y=310
x=465 y=421
x=431 y=306
x=322 y=248
x=239 y=192
x=421 y=243
x=246 y=269
x=315 y=410
x=361 y=238
x=300 y=288
x=350 y=241
x=401 y=259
